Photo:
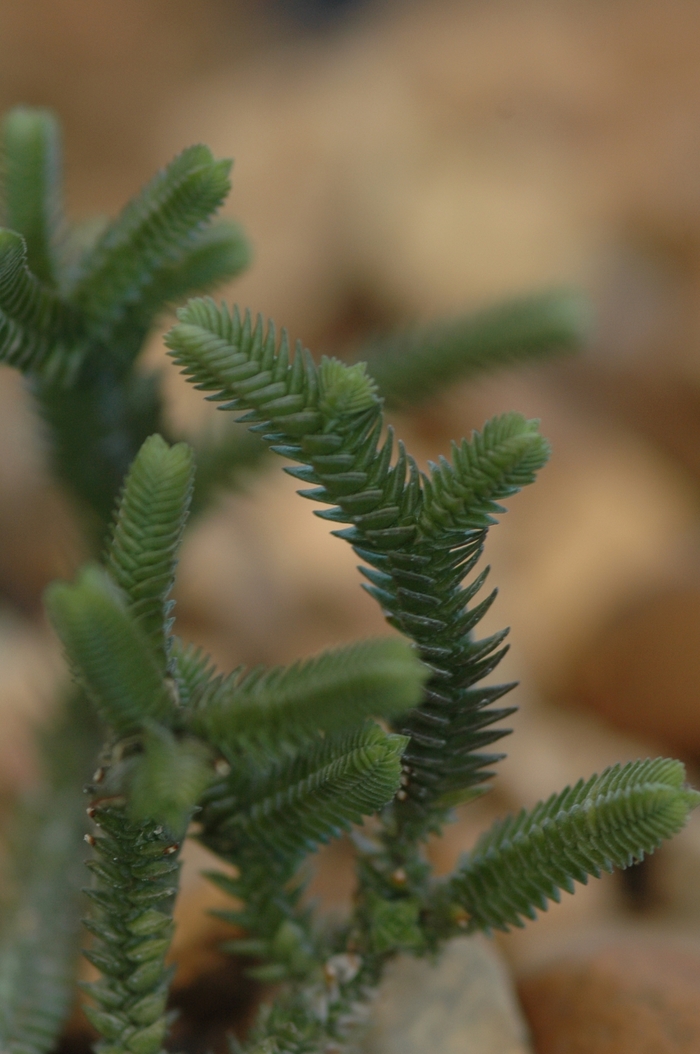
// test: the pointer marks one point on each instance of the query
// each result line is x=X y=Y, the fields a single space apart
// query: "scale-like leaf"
x=494 y=465
x=309 y=799
x=31 y=149
x=142 y=553
x=110 y=654
x=38 y=333
x=420 y=536
x=153 y=232
x=217 y=254
x=168 y=779
x=135 y=869
x=333 y=692
x=610 y=820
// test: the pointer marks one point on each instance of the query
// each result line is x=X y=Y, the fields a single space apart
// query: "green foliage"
x=394 y=924
x=164 y=734
x=135 y=870
x=420 y=537
x=413 y=365
x=109 y=652
x=150 y=237
x=76 y=304
x=38 y=935
x=266 y=709
x=217 y=252
x=268 y=763
x=611 y=820
x=169 y=779
x=37 y=330
x=461 y=496
x=32 y=185
x=294 y=805
x=142 y=552
x=41 y=883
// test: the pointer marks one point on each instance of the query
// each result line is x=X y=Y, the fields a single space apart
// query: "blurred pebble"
x=641 y=671
x=463 y=1003
x=625 y=997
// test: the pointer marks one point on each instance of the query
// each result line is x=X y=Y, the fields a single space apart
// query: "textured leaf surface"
x=31 y=147
x=307 y=800
x=142 y=554
x=37 y=331
x=152 y=233
x=135 y=874
x=97 y=429
x=108 y=651
x=462 y=495
x=333 y=692
x=217 y=254
x=610 y=820
x=168 y=779
x=420 y=536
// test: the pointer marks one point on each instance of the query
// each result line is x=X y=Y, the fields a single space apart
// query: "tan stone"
x=641 y=671
x=627 y=997
x=464 y=1003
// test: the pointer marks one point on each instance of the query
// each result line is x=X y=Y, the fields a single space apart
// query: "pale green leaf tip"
x=397 y=743
x=28 y=119
x=11 y=240
x=91 y=580
x=157 y=453
x=345 y=389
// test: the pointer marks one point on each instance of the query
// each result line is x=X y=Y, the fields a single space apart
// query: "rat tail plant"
x=76 y=305
x=419 y=537
x=268 y=764
x=303 y=759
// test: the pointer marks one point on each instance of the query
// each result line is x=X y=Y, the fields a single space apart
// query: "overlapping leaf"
x=142 y=554
x=151 y=234
x=109 y=653
x=307 y=800
x=609 y=820
x=336 y=691
x=31 y=151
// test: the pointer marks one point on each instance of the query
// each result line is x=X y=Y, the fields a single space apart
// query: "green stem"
x=135 y=870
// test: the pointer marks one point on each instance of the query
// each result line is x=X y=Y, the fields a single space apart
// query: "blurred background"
x=397 y=161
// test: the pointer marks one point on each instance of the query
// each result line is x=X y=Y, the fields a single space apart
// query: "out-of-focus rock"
x=363 y=176
x=624 y=997
x=552 y=747
x=440 y=153
x=463 y=1003
x=39 y=534
x=30 y=666
x=130 y=59
x=608 y=518
x=641 y=672
x=263 y=580
x=675 y=875
x=198 y=933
